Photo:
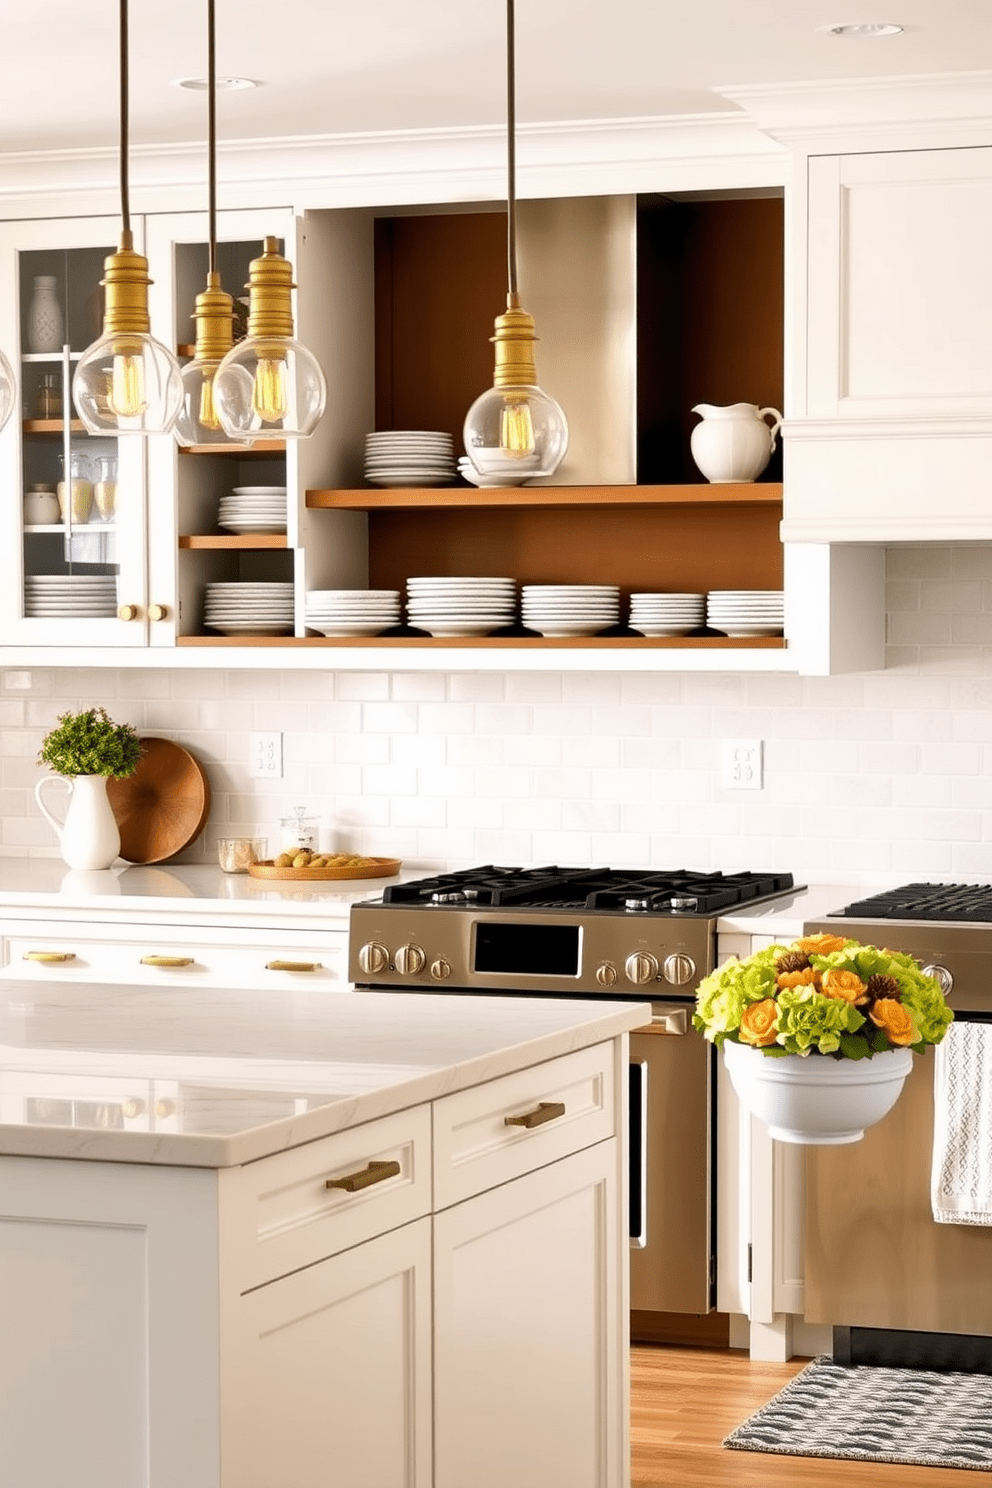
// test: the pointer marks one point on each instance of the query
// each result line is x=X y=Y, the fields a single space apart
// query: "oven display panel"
x=509 y=949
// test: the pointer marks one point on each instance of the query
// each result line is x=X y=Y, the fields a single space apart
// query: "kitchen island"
x=249 y=1238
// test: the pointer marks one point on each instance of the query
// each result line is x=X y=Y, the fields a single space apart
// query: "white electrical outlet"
x=265 y=756
x=741 y=765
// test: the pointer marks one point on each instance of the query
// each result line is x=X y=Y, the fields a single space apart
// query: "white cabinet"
x=890 y=437
x=280 y=1321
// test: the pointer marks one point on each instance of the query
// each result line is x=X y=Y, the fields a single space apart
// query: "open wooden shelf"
x=260 y=448
x=475 y=498
x=499 y=643
x=52 y=426
x=240 y=542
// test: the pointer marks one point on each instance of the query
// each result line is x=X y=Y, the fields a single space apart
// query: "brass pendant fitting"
x=270 y=297
x=126 y=284
x=514 y=341
x=214 y=316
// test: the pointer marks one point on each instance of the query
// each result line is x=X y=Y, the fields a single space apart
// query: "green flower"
x=808 y=1020
x=722 y=996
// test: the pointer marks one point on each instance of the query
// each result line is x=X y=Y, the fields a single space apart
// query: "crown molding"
x=941 y=103
x=582 y=157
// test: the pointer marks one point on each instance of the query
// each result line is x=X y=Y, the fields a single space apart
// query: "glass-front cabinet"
x=73 y=556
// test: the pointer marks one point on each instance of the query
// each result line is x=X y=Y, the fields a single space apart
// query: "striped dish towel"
x=961 y=1174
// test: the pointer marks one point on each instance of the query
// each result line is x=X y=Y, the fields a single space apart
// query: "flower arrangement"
x=823 y=994
x=90 y=743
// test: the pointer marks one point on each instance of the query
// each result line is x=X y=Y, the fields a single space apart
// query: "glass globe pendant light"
x=515 y=430
x=269 y=386
x=198 y=422
x=127 y=382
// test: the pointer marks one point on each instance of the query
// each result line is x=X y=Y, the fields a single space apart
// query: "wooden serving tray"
x=376 y=868
x=163 y=806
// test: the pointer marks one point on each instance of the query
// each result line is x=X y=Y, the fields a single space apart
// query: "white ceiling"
x=343 y=66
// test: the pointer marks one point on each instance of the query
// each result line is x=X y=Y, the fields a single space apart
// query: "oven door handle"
x=669 y=1022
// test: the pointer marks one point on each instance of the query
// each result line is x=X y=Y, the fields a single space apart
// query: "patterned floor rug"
x=876 y=1414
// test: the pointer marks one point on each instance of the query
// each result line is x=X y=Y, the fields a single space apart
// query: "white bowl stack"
x=253 y=509
x=409 y=457
x=458 y=606
x=468 y=472
x=570 y=609
x=242 y=608
x=70 y=596
x=352 y=612
x=746 y=612
x=667 y=614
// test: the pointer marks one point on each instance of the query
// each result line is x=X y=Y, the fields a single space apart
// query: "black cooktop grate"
x=612 y=890
x=924 y=901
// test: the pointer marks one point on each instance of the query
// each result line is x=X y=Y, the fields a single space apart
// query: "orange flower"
x=890 y=1015
x=759 y=1023
x=846 y=985
x=809 y=977
x=822 y=944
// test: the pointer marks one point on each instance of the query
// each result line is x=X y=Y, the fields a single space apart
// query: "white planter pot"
x=88 y=835
x=816 y=1101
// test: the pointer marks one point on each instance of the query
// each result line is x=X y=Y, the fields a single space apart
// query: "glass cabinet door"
x=73 y=558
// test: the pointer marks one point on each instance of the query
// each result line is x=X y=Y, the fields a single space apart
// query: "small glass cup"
x=236 y=854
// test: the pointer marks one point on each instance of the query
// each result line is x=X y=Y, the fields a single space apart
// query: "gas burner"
x=685 y=903
x=958 y=903
x=457 y=896
x=637 y=906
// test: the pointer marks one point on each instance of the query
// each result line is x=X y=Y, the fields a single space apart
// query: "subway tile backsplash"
x=867 y=779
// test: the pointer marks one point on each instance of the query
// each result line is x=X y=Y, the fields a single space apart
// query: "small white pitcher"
x=88 y=836
x=733 y=443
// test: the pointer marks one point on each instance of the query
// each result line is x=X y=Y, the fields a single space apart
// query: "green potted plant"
x=819 y=1036
x=86 y=749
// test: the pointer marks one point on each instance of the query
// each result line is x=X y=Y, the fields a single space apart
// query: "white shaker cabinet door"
x=900 y=295
x=529 y=1357
x=325 y=1379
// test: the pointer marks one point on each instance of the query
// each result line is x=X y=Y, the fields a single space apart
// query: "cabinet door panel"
x=535 y=1259
x=327 y=1377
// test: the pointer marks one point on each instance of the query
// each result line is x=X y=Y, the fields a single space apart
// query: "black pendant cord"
x=125 y=194
x=212 y=137
x=511 y=153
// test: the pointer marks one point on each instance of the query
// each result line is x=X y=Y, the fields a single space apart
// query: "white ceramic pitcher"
x=88 y=836
x=733 y=443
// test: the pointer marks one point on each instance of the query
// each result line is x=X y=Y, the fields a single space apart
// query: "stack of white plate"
x=746 y=612
x=409 y=457
x=352 y=612
x=249 y=609
x=253 y=509
x=460 y=606
x=468 y=472
x=667 y=614
x=62 y=596
x=570 y=609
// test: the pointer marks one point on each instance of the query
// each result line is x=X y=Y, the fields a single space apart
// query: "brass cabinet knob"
x=128 y=612
x=641 y=968
x=158 y=612
x=373 y=958
x=409 y=960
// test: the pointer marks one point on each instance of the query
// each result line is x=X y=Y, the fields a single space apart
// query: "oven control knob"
x=678 y=968
x=641 y=968
x=373 y=958
x=440 y=969
x=409 y=960
x=606 y=974
x=943 y=977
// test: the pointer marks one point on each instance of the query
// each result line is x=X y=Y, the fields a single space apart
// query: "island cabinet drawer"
x=147 y=959
x=495 y=1132
x=298 y=1207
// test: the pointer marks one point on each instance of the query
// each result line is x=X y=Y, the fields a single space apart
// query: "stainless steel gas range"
x=579 y=932
x=928 y=1303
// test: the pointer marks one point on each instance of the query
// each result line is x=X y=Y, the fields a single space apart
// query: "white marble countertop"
x=199 y=1078
x=785 y=917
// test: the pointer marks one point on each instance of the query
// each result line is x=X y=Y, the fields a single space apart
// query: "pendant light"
x=8 y=390
x=514 y=429
x=198 y=422
x=127 y=382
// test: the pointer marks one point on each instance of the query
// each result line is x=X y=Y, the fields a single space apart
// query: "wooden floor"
x=685 y=1401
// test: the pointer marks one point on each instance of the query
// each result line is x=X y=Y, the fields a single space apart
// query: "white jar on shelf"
x=45 y=326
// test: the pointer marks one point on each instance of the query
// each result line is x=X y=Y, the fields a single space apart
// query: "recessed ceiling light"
x=223 y=84
x=863 y=28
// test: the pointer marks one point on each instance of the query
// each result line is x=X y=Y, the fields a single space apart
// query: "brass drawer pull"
x=49 y=956
x=542 y=1112
x=167 y=961
x=374 y=1173
x=292 y=965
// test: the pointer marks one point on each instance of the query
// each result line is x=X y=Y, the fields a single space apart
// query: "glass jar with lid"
x=298 y=831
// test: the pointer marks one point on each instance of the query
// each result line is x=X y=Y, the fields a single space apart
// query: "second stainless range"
x=576 y=932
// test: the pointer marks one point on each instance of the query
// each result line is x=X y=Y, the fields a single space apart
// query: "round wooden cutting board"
x=163 y=806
